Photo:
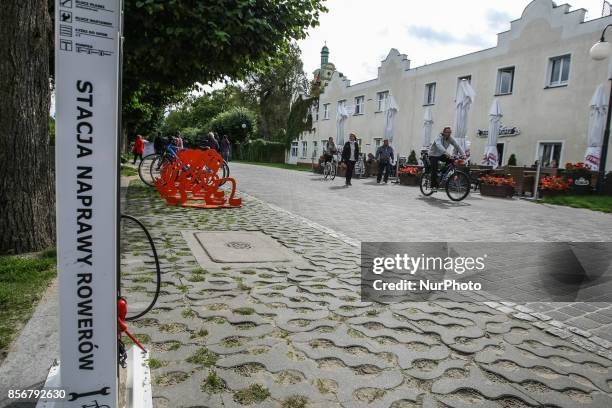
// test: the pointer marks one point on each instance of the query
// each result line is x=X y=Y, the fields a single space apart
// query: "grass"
x=128 y=171
x=593 y=202
x=277 y=165
x=203 y=357
x=254 y=393
x=295 y=401
x=213 y=384
x=23 y=280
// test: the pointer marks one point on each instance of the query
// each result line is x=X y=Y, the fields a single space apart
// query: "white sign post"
x=87 y=45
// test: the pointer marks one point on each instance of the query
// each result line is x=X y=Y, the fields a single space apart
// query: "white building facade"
x=540 y=72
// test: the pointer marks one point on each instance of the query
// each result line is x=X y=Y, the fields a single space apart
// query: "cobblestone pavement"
x=300 y=337
x=371 y=212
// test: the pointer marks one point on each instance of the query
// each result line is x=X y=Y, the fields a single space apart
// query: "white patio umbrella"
x=391 y=109
x=427 y=126
x=341 y=116
x=597 y=123
x=490 y=155
x=463 y=102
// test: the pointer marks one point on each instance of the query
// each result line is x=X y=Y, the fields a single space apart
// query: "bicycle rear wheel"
x=144 y=169
x=425 y=184
x=155 y=168
x=458 y=186
x=332 y=171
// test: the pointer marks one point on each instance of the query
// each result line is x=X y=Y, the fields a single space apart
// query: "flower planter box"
x=493 y=190
x=406 y=179
x=582 y=182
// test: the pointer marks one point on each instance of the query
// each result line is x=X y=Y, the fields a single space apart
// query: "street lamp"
x=600 y=51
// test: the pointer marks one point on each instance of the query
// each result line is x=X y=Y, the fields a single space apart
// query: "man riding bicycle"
x=438 y=153
x=329 y=150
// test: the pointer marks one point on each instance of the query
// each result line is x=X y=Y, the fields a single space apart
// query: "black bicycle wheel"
x=425 y=184
x=155 y=168
x=144 y=169
x=332 y=171
x=458 y=186
x=326 y=171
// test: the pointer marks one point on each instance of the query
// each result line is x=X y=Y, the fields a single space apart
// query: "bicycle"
x=456 y=183
x=360 y=167
x=330 y=168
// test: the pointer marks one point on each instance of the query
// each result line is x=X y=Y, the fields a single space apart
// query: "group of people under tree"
x=161 y=143
x=438 y=153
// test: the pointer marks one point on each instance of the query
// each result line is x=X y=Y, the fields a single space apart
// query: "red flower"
x=497 y=181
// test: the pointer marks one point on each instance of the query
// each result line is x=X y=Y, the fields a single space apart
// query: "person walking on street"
x=384 y=155
x=138 y=149
x=225 y=147
x=350 y=153
x=179 y=140
x=159 y=144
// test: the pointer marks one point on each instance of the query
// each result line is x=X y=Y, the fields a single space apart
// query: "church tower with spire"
x=323 y=75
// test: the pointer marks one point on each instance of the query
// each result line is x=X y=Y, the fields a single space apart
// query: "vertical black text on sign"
x=84 y=194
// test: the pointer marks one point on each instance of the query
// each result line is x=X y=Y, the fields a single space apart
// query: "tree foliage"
x=171 y=44
x=273 y=88
x=231 y=123
x=300 y=118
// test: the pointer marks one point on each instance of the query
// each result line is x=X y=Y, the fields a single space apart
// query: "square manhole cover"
x=242 y=246
x=238 y=249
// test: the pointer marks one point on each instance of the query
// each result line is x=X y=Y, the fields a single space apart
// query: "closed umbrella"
x=597 y=123
x=427 y=127
x=490 y=155
x=463 y=102
x=391 y=109
x=341 y=116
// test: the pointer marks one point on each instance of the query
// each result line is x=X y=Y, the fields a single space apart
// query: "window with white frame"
x=466 y=77
x=381 y=98
x=550 y=153
x=377 y=142
x=558 y=70
x=505 y=81
x=326 y=111
x=294 y=149
x=430 y=94
x=304 y=149
x=315 y=148
x=360 y=105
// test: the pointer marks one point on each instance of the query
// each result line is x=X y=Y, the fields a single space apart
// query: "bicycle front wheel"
x=144 y=169
x=326 y=171
x=458 y=186
x=332 y=171
x=425 y=184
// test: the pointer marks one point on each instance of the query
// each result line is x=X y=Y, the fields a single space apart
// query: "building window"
x=381 y=98
x=315 y=113
x=304 y=149
x=505 y=81
x=558 y=70
x=326 y=111
x=359 y=105
x=466 y=77
x=430 y=94
x=341 y=103
x=315 y=147
x=550 y=154
x=377 y=142
x=294 y=149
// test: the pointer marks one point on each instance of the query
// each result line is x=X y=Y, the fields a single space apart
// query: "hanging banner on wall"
x=87 y=38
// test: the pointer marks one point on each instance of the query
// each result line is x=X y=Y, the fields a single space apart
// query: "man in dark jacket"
x=350 y=154
x=384 y=155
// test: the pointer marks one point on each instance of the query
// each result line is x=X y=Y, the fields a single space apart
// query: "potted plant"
x=412 y=159
x=551 y=186
x=409 y=176
x=497 y=186
x=581 y=176
x=512 y=160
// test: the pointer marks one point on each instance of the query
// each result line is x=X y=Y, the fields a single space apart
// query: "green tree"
x=274 y=88
x=238 y=123
x=171 y=44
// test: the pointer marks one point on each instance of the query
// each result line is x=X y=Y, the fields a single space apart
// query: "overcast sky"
x=359 y=33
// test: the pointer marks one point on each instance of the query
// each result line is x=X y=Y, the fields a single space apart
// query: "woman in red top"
x=138 y=149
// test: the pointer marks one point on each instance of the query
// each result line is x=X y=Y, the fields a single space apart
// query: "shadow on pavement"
x=342 y=187
x=444 y=204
